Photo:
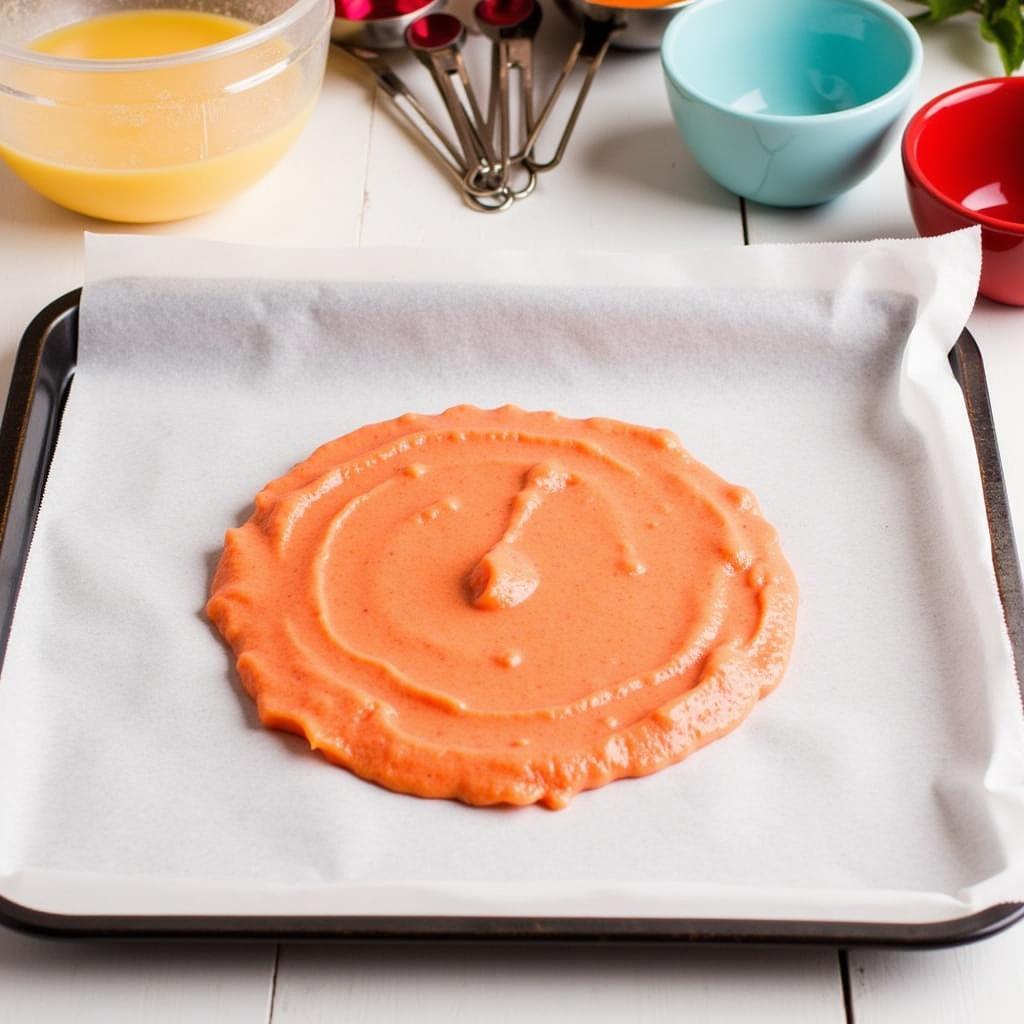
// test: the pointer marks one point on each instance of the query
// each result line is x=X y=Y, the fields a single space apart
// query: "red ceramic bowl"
x=963 y=155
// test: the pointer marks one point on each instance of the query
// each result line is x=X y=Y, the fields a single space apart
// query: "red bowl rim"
x=912 y=166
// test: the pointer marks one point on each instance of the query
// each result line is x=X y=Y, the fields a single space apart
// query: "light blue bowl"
x=789 y=102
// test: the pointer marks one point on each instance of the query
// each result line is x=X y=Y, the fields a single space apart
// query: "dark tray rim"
x=43 y=372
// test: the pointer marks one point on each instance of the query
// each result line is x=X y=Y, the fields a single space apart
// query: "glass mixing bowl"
x=157 y=138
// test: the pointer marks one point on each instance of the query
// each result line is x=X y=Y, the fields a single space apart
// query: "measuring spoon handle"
x=590 y=49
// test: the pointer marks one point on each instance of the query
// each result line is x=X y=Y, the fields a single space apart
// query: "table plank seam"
x=847 y=988
x=273 y=984
x=365 y=198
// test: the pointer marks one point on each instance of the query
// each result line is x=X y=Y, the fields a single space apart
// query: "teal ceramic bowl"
x=789 y=102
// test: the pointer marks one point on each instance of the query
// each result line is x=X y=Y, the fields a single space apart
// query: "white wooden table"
x=627 y=184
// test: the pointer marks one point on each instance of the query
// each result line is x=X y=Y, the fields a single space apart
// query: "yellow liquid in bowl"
x=130 y=34
x=155 y=144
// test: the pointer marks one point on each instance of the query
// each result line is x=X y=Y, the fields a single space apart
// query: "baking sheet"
x=883 y=780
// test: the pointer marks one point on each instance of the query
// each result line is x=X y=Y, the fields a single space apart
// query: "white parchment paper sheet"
x=883 y=780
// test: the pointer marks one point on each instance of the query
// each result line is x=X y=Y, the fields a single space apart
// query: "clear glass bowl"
x=157 y=138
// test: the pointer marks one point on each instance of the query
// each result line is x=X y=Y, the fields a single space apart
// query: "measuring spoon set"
x=493 y=164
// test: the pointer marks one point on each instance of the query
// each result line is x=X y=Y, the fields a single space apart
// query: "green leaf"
x=940 y=10
x=1002 y=24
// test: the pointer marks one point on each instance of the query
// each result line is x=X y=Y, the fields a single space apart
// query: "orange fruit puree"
x=499 y=606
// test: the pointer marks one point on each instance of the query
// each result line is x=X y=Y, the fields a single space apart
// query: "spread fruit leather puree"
x=500 y=606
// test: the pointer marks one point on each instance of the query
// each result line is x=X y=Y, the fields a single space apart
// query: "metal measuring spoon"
x=602 y=25
x=591 y=48
x=364 y=27
x=410 y=108
x=511 y=25
x=412 y=112
x=436 y=40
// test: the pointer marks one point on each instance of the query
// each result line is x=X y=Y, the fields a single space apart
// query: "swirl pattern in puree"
x=500 y=606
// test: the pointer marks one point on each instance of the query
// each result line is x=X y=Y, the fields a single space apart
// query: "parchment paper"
x=884 y=779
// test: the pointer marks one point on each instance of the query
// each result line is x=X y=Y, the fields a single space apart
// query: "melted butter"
x=154 y=144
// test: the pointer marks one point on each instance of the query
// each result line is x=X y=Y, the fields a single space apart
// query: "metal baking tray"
x=43 y=376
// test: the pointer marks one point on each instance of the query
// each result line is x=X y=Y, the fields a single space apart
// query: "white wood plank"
x=54 y=983
x=321 y=984
x=978 y=984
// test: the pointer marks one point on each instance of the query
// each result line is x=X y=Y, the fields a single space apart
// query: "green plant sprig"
x=1001 y=23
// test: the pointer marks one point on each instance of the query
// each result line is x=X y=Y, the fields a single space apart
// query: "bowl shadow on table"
x=653 y=158
x=769 y=224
